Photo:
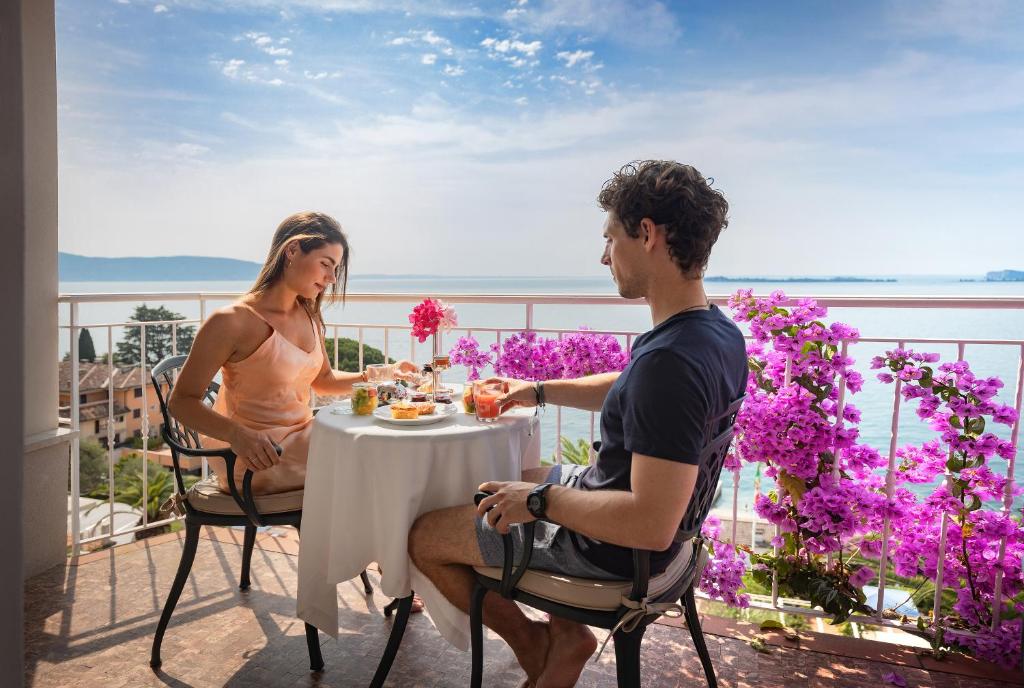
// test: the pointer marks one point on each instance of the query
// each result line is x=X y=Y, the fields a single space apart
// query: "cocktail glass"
x=485 y=398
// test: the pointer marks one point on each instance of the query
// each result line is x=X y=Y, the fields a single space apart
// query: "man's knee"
x=419 y=535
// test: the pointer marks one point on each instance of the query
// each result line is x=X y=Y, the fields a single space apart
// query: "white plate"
x=441 y=411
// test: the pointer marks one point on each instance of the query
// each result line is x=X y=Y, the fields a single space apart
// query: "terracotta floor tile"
x=91 y=624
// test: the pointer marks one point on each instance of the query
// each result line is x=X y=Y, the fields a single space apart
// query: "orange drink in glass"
x=485 y=398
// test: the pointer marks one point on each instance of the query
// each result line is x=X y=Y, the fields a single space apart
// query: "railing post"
x=940 y=567
x=787 y=380
x=110 y=424
x=997 y=596
x=890 y=484
x=145 y=426
x=840 y=409
x=76 y=506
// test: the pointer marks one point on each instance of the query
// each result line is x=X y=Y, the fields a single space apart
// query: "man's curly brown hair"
x=676 y=196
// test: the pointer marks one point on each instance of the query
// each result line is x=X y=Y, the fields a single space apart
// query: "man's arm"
x=587 y=393
x=645 y=518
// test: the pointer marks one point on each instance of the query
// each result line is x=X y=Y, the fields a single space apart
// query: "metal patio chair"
x=205 y=505
x=624 y=607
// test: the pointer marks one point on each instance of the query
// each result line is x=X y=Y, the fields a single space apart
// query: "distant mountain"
x=1005 y=276
x=73 y=268
x=839 y=278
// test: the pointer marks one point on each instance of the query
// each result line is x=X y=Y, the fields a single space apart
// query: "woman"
x=270 y=347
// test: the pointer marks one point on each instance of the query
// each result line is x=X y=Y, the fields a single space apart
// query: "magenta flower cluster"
x=528 y=356
x=959 y=405
x=466 y=352
x=831 y=498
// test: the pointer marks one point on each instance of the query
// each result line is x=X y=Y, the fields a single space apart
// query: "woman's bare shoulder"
x=234 y=319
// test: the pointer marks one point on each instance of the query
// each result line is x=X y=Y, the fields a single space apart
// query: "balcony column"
x=46 y=447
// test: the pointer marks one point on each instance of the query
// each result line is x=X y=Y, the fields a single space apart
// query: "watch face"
x=533 y=502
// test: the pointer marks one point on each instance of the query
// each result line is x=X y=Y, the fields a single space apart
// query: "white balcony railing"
x=526 y=305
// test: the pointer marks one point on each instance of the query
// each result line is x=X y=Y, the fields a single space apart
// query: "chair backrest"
x=165 y=374
x=718 y=433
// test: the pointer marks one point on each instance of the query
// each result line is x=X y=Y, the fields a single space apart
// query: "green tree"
x=158 y=337
x=348 y=354
x=128 y=485
x=92 y=468
x=86 y=349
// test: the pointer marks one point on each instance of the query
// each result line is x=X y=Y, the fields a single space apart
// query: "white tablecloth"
x=367 y=481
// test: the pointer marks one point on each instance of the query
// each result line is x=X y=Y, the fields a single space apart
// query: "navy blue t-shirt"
x=681 y=374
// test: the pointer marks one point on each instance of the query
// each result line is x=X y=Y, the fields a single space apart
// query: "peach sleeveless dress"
x=270 y=390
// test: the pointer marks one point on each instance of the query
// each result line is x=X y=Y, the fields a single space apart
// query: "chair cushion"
x=206 y=496
x=600 y=595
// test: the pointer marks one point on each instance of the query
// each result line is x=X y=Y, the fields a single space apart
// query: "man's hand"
x=518 y=392
x=509 y=502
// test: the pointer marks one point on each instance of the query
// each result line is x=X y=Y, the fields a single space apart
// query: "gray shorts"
x=553 y=546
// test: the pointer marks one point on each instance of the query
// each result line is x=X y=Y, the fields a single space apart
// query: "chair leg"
x=627 y=657
x=188 y=555
x=367 y=586
x=697 y=633
x=476 y=634
x=316 y=657
x=394 y=641
x=247 y=545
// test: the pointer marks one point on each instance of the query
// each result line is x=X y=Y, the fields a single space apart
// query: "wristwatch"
x=537 y=501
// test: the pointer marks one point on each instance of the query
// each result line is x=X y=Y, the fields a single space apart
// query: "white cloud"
x=281 y=63
x=433 y=39
x=515 y=45
x=231 y=68
x=160 y=9
x=638 y=22
x=522 y=100
x=315 y=76
x=972 y=21
x=428 y=59
x=401 y=40
x=571 y=59
x=266 y=44
x=453 y=70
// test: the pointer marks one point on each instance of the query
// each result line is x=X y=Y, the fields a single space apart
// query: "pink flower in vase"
x=430 y=317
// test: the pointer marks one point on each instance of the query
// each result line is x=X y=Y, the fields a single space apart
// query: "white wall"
x=45 y=462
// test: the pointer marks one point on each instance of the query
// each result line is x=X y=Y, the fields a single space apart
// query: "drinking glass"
x=485 y=398
x=380 y=372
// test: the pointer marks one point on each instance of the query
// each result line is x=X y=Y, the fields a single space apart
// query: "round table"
x=366 y=483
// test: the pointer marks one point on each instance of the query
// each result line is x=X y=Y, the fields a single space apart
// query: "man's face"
x=623 y=254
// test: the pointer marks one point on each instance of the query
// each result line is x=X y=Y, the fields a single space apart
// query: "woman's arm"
x=337 y=382
x=213 y=346
x=334 y=382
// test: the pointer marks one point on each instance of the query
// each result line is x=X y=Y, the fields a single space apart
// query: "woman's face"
x=310 y=274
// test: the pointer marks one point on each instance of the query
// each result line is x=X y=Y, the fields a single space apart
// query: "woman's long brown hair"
x=311 y=230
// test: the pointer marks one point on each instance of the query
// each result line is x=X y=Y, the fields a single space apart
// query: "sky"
x=871 y=138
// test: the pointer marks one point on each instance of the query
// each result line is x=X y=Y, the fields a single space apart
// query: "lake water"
x=875 y=401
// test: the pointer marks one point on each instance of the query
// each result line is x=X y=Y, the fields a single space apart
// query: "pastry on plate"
x=403 y=410
x=425 y=408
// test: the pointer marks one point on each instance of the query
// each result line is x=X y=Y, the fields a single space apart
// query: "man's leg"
x=570 y=644
x=443 y=546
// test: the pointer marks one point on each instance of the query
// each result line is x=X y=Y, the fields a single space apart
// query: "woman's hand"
x=408 y=371
x=254 y=448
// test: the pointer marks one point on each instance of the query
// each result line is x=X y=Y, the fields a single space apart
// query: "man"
x=662 y=220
